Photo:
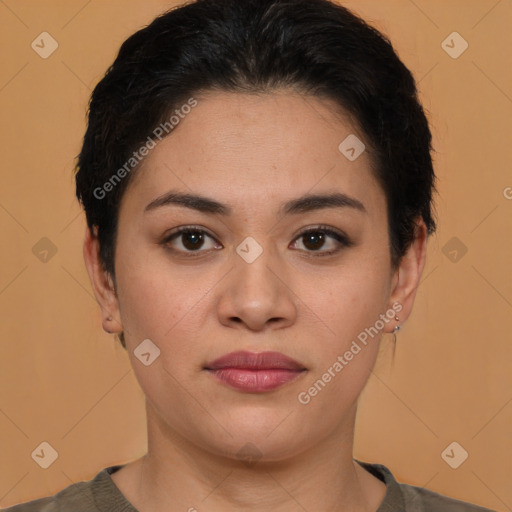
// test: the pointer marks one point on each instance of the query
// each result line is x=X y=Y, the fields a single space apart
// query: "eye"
x=190 y=239
x=315 y=238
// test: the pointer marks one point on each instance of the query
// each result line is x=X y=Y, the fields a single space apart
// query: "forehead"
x=251 y=148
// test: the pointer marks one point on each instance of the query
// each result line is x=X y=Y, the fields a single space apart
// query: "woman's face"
x=248 y=279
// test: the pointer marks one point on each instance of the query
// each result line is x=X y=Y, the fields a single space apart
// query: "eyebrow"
x=303 y=204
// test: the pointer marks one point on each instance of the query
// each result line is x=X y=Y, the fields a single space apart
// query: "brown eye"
x=189 y=240
x=192 y=240
x=317 y=238
x=314 y=240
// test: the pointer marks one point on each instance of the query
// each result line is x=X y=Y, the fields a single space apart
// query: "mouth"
x=255 y=372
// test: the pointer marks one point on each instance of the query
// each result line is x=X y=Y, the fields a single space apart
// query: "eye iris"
x=194 y=237
x=316 y=238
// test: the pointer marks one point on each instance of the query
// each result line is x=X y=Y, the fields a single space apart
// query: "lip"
x=255 y=372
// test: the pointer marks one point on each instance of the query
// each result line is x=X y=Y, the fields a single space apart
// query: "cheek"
x=344 y=356
x=350 y=298
x=154 y=292
x=165 y=304
x=164 y=309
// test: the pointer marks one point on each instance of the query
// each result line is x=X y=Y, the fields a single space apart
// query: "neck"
x=176 y=474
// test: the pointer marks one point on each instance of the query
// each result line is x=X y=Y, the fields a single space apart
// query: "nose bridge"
x=252 y=267
x=255 y=292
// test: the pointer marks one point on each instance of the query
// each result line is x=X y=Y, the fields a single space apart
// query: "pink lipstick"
x=255 y=372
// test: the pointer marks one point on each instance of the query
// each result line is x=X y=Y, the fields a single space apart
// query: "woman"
x=257 y=181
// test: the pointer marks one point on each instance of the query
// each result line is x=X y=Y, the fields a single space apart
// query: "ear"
x=406 y=277
x=102 y=283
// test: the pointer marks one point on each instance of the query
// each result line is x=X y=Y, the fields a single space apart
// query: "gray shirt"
x=101 y=495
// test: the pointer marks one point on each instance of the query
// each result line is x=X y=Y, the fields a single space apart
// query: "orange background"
x=64 y=381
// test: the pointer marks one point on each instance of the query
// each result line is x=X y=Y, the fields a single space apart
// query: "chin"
x=259 y=436
x=252 y=452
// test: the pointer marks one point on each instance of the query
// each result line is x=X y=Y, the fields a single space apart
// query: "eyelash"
x=341 y=238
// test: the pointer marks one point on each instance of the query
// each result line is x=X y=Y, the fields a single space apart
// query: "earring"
x=396 y=329
x=108 y=319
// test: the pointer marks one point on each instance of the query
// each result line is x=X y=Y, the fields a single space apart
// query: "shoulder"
x=78 y=497
x=418 y=499
x=70 y=498
x=401 y=497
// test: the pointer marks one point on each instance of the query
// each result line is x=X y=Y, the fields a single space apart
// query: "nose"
x=257 y=295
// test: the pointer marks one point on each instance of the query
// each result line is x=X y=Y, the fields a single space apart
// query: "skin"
x=252 y=152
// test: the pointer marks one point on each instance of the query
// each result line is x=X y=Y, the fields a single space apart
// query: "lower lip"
x=255 y=381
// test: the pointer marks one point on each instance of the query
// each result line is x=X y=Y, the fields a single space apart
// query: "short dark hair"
x=315 y=47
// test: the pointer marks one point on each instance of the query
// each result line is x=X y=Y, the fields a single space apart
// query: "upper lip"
x=255 y=361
